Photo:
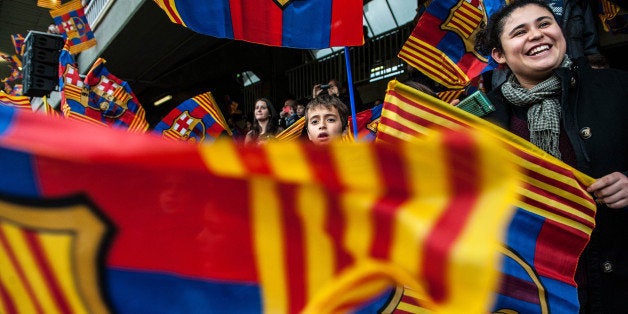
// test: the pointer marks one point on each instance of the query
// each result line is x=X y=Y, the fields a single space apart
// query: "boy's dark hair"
x=328 y=102
x=489 y=36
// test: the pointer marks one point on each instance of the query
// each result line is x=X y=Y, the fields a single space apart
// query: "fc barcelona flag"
x=441 y=45
x=98 y=98
x=97 y=220
x=311 y=24
x=18 y=101
x=72 y=23
x=18 y=43
x=367 y=122
x=554 y=218
x=195 y=120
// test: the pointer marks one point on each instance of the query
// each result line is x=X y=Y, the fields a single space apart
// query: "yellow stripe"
x=319 y=257
x=67 y=7
x=9 y=278
x=227 y=163
x=30 y=269
x=431 y=192
x=269 y=235
x=288 y=162
x=484 y=229
x=551 y=215
x=423 y=58
x=207 y=102
x=58 y=251
x=412 y=308
x=565 y=195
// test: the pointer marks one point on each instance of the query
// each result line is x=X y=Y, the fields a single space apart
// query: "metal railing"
x=96 y=10
x=374 y=60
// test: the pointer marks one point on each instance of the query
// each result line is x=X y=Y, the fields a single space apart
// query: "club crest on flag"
x=74 y=27
x=465 y=19
x=110 y=98
x=187 y=128
x=64 y=240
x=282 y=3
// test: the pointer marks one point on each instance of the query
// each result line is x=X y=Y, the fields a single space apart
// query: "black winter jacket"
x=595 y=118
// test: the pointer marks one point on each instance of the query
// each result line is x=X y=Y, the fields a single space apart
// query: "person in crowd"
x=576 y=19
x=288 y=115
x=265 y=125
x=326 y=119
x=335 y=88
x=300 y=110
x=576 y=114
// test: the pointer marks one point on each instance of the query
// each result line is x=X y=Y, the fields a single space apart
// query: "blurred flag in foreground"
x=97 y=219
x=441 y=45
x=99 y=97
x=194 y=120
x=72 y=23
x=554 y=218
x=312 y=24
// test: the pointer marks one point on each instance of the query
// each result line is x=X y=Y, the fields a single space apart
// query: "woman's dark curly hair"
x=489 y=37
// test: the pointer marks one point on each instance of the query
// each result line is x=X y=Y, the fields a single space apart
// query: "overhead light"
x=162 y=100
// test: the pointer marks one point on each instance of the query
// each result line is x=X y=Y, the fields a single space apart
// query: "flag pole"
x=354 y=120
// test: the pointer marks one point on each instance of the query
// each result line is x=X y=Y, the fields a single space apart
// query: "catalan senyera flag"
x=18 y=43
x=195 y=120
x=312 y=24
x=614 y=18
x=554 y=218
x=49 y=4
x=23 y=102
x=98 y=98
x=72 y=23
x=441 y=45
x=96 y=220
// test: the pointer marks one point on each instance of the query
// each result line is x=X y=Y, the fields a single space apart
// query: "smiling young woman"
x=578 y=115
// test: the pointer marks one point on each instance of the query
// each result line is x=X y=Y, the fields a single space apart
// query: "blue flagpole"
x=354 y=119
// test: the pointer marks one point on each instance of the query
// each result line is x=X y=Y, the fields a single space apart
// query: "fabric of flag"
x=49 y=4
x=23 y=102
x=293 y=132
x=100 y=220
x=367 y=122
x=441 y=45
x=99 y=98
x=450 y=95
x=312 y=24
x=15 y=65
x=195 y=120
x=17 y=90
x=72 y=23
x=613 y=17
x=18 y=43
x=555 y=215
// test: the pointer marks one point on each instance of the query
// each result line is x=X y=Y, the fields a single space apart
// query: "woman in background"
x=265 y=123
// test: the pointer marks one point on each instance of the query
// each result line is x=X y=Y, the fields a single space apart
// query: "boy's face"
x=323 y=125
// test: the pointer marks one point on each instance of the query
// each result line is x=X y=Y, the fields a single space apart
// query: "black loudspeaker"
x=40 y=63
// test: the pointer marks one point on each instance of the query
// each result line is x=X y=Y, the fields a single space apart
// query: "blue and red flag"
x=312 y=24
x=18 y=101
x=554 y=214
x=367 y=125
x=441 y=45
x=195 y=120
x=98 y=220
x=18 y=43
x=72 y=23
x=99 y=97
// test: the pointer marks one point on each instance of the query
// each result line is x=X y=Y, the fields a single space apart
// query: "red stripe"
x=20 y=272
x=346 y=23
x=553 y=209
x=557 y=250
x=9 y=306
x=42 y=263
x=295 y=250
x=395 y=184
x=172 y=12
x=258 y=21
x=439 y=241
x=519 y=289
x=255 y=160
x=414 y=103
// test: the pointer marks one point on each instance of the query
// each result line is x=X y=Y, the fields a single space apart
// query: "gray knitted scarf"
x=543 y=101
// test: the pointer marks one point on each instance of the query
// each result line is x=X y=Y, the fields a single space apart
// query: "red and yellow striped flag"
x=293 y=132
x=22 y=102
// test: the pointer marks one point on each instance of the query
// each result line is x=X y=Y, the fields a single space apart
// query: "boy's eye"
x=331 y=119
